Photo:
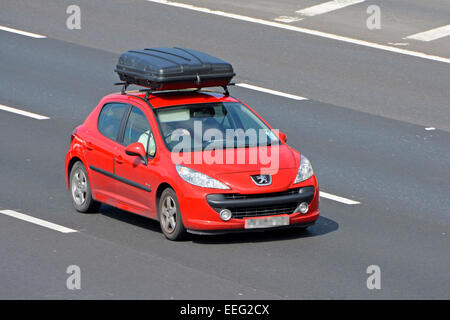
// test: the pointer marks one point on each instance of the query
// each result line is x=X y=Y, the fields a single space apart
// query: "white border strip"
x=270 y=91
x=337 y=198
x=304 y=30
x=23 y=113
x=432 y=34
x=37 y=221
x=24 y=33
x=327 y=7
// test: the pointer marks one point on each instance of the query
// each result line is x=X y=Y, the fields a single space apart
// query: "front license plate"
x=266 y=222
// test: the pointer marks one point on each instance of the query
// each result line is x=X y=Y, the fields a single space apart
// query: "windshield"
x=209 y=126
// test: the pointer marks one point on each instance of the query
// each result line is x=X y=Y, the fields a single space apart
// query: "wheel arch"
x=70 y=165
x=163 y=186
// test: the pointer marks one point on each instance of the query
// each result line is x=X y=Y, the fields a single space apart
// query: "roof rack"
x=149 y=91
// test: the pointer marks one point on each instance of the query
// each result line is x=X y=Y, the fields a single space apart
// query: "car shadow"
x=130 y=218
x=322 y=227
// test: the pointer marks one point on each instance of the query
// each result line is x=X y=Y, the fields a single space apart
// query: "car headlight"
x=305 y=171
x=199 y=179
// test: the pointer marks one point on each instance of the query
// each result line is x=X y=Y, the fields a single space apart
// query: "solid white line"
x=270 y=91
x=304 y=30
x=37 y=221
x=432 y=34
x=23 y=113
x=24 y=33
x=337 y=198
x=327 y=7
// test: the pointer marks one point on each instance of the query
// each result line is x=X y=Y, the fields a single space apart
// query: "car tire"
x=80 y=190
x=170 y=216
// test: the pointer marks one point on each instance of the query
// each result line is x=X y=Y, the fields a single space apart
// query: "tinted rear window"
x=110 y=118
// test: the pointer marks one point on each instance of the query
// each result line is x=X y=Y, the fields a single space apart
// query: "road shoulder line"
x=304 y=30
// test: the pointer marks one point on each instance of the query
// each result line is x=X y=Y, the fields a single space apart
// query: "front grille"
x=261 y=204
x=236 y=196
x=286 y=208
x=257 y=211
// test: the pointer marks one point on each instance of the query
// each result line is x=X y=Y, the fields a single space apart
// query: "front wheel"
x=170 y=216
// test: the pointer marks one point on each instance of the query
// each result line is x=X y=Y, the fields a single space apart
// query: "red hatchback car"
x=170 y=156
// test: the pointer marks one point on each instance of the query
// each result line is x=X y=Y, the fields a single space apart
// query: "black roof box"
x=173 y=68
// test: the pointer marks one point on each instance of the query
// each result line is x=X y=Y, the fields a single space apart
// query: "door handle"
x=119 y=159
x=89 y=145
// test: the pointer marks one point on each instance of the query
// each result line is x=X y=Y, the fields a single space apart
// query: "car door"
x=136 y=179
x=100 y=145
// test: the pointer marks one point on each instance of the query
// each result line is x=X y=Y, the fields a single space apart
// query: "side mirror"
x=137 y=149
x=282 y=136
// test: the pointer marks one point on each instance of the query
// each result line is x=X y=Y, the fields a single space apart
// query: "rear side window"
x=110 y=118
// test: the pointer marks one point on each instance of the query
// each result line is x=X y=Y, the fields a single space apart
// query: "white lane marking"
x=37 y=221
x=24 y=33
x=287 y=19
x=270 y=91
x=337 y=198
x=327 y=7
x=23 y=113
x=304 y=30
x=432 y=34
x=399 y=43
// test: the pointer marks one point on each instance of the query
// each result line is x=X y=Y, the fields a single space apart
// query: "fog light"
x=303 y=207
x=225 y=214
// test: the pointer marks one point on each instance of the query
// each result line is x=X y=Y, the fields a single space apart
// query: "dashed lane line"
x=23 y=113
x=24 y=33
x=37 y=221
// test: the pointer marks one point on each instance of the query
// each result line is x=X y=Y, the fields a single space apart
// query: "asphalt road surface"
x=375 y=124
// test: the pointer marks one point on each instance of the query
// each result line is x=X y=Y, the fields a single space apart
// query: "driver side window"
x=138 y=130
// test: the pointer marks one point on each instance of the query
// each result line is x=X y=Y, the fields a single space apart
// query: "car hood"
x=281 y=162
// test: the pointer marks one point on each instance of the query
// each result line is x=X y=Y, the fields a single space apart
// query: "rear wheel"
x=170 y=216
x=80 y=189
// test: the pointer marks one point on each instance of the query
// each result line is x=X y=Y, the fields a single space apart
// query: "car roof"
x=173 y=98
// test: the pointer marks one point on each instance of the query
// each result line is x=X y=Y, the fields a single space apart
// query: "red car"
x=138 y=152
x=197 y=161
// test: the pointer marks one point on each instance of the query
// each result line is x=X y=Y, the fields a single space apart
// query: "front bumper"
x=200 y=213
x=224 y=231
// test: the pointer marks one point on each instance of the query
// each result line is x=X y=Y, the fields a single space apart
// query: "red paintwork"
x=135 y=148
x=196 y=213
